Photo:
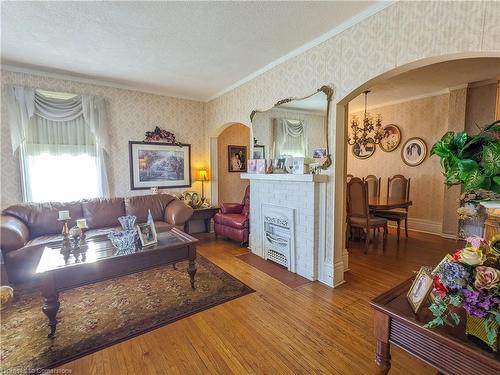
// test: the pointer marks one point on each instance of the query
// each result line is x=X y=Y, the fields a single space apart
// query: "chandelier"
x=367 y=133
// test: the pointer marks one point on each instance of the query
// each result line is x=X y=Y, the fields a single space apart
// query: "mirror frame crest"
x=328 y=91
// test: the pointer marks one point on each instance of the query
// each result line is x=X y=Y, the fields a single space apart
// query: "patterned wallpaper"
x=130 y=114
x=402 y=33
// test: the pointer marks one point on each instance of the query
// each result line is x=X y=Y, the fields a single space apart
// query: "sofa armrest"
x=177 y=212
x=13 y=233
x=231 y=208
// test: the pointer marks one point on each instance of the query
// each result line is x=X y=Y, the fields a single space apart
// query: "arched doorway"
x=342 y=119
x=226 y=184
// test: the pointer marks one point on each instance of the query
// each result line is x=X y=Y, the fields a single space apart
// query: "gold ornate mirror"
x=294 y=127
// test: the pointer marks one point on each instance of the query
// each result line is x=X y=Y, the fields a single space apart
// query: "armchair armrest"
x=231 y=208
x=177 y=212
x=13 y=233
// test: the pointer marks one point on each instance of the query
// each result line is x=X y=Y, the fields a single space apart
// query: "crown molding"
x=487 y=82
x=92 y=81
x=403 y=100
x=370 y=11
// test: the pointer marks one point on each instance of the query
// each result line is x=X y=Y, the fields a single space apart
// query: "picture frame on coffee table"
x=161 y=165
x=147 y=234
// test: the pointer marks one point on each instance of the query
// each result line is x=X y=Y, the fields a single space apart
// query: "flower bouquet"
x=470 y=279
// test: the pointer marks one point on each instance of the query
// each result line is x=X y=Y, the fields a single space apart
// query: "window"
x=61 y=157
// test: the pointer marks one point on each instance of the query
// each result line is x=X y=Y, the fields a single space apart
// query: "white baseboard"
x=421 y=225
x=426 y=226
x=449 y=236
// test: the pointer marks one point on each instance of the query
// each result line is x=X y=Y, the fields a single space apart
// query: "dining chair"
x=359 y=213
x=348 y=178
x=373 y=186
x=398 y=188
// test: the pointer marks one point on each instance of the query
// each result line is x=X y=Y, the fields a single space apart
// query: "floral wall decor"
x=160 y=135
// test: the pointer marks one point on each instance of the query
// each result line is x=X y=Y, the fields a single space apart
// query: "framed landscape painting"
x=161 y=165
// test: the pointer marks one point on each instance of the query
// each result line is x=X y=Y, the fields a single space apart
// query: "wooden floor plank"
x=280 y=328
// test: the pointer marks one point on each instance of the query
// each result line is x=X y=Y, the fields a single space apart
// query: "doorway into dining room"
x=391 y=179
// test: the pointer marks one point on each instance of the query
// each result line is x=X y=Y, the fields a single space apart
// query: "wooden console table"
x=447 y=349
x=205 y=214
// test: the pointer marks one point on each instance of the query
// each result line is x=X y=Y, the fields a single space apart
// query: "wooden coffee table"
x=59 y=270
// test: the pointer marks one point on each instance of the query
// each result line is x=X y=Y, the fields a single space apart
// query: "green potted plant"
x=473 y=162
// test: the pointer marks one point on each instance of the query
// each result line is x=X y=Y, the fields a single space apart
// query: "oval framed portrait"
x=363 y=151
x=414 y=151
x=391 y=139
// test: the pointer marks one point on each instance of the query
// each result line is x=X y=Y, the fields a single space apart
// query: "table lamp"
x=203 y=177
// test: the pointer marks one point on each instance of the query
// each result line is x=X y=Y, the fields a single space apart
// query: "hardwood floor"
x=278 y=329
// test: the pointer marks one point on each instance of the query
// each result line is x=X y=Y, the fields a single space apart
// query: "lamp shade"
x=203 y=174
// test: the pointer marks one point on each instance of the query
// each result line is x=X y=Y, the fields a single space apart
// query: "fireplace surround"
x=288 y=222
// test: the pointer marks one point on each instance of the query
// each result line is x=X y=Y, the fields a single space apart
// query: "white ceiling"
x=186 y=49
x=429 y=80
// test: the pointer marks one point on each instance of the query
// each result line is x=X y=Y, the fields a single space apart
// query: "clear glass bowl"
x=123 y=239
x=127 y=222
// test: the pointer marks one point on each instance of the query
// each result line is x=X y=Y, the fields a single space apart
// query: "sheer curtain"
x=290 y=138
x=62 y=144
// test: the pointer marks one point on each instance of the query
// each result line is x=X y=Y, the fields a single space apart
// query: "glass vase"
x=127 y=222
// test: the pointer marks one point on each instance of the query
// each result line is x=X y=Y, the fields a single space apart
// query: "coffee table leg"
x=192 y=272
x=383 y=347
x=50 y=303
x=192 y=265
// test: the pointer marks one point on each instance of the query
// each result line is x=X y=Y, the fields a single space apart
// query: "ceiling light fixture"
x=369 y=132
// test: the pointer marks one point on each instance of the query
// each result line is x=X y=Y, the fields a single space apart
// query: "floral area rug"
x=98 y=315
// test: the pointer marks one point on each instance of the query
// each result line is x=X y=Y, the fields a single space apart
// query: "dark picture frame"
x=151 y=165
x=259 y=152
x=235 y=155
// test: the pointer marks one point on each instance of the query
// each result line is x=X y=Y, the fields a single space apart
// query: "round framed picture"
x=391 y=139
x=414 y=151
x=363 y=151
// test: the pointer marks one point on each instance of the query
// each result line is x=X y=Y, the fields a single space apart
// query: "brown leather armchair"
x=232 y=221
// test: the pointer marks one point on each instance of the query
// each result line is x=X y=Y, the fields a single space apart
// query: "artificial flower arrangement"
x=159 y=134
x=470 y=278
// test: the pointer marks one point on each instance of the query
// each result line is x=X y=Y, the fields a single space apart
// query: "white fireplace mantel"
x=285 y=177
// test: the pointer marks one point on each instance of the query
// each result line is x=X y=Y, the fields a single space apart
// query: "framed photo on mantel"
x=162 y=165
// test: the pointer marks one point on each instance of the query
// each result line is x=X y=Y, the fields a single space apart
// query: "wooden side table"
x=447 y=349
x=205 y=214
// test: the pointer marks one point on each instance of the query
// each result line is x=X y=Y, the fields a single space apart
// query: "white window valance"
x=25 y=102
x=62 y=144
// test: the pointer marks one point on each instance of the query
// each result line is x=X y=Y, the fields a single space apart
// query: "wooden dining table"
x=384 y=203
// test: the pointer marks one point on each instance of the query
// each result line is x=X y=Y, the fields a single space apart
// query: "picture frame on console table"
x=161 y=165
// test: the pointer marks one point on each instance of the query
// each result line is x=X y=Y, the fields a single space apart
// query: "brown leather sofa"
x=232 y=221
x=26 y=228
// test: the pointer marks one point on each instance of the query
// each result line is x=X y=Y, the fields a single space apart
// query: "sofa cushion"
x=103 y=212
x=232 y=220
x=139 y=206
x=41 y=218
